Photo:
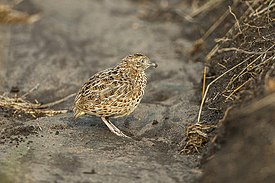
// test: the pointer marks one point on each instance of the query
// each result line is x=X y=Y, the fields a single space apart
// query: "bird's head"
x=138 y=62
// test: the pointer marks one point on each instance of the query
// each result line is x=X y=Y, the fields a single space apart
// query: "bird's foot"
x=113 y=128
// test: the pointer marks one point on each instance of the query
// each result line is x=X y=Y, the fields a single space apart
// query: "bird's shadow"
x=86 y=121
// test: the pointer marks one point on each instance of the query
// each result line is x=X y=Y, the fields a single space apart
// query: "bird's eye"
x=142 y=61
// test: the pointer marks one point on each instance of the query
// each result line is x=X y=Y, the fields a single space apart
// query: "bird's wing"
x=102 y=89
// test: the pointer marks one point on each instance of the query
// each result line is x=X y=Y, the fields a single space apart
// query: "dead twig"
x=271 y=5
x=205 y=7
x=204 y=80
x=211 y=53
x=237 y=21
x=198 y=43
x=208 y=57
x=225 y=115
x=30 y=91
x=244 y=51
x=56 y=102
x=237 y=89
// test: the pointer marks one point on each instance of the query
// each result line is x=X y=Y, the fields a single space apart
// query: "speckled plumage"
x=114 y=92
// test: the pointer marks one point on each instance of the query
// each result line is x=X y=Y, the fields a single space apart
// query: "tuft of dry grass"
x=18 y=105
x=196 y=136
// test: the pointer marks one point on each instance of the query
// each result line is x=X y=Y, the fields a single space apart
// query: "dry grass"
x=205 y=7
x=10 y=16
x=246 y=64
x=196 y=136
x=19 y=106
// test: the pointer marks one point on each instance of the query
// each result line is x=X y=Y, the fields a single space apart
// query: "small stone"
x=91 y=172
x=155 y=122
x=14 y=89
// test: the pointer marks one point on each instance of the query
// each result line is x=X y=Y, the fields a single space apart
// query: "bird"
x=114 y=92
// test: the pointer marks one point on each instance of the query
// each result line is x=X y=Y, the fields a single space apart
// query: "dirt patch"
x=246 y=152
x=14 y=132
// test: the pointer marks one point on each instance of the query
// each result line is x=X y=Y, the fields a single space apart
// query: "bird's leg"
x=113 y=128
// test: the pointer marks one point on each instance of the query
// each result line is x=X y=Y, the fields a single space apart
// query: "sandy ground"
x=72 y=41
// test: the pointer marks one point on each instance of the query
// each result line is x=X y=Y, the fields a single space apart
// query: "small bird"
x=114 y=92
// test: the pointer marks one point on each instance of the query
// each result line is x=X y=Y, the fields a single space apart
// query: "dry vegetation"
x=10 y=16
x=20 y=106
x=241 y=68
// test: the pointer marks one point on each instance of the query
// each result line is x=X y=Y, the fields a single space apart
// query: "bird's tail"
x=77 y=112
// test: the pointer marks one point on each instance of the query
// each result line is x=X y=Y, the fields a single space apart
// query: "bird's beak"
x=153 y=64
